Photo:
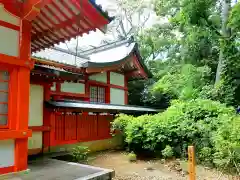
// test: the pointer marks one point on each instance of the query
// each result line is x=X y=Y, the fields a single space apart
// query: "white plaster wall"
x=117 y=79
x=117 y=96
x=8 y=17
x=9 y=38
x=73 y=87
x=7 y=153
x=9 y=41
x=53 y=88
x=35 y=142
x=36 y=105
x=100 y=77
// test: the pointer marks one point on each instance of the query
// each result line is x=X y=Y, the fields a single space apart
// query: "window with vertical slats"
x=97 y=94
x=93 y=94
x=4 y=91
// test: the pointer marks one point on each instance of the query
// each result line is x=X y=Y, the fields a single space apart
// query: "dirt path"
x=145 y=170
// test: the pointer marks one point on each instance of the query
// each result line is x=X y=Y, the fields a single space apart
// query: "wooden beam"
x=59 y=65
x=132 y=73
x=96 y=83
x=39 y=128
x=31 y=8
x=15 y=134
x=15 y=61
x=103 y=69
x=69 y=94
x=5 y=170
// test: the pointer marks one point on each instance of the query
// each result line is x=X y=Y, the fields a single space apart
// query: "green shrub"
x=121 y=122
x=227 y=145
x=197 y=122
x=205 y=155
x=79 y=153
x=167 y=152
x=132 y=157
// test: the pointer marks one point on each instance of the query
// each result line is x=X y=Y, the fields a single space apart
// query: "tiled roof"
x=114 y=108
x=121 y=57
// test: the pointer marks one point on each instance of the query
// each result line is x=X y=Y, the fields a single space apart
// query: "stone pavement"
x=51 y=169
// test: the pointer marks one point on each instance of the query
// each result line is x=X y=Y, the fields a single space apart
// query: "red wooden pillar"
x=22 y=100
x=87 y=90
x=108 y=89
x=46 y=118
x=126 y=90
x=58 y=89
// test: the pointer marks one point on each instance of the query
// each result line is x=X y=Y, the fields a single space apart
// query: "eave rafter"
x=68 y=22
x=58 y=65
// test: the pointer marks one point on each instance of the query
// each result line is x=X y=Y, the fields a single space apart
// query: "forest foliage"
x=202 y=33
x=194 y=57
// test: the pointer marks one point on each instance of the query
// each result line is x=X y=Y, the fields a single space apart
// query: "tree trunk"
x=226 y=5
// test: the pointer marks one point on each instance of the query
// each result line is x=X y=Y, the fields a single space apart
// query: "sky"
x=93 y=38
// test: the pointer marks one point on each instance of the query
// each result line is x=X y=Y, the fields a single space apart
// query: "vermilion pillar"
x=126 y=90
x=46 y=118
x=23 y=95
x=15 y=66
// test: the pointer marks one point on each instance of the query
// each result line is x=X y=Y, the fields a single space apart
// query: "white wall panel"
x=78 y=88
x=117 y=96
x=100 y=77
x=8 y=17
x=35 y=142
x=53 y=88
x=7 y=148
x=9 y=41
x=36 y=105
x=117 y=79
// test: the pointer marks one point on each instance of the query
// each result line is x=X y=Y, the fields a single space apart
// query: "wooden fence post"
x=191 y=163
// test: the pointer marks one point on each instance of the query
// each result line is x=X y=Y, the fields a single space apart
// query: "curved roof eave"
x=150 y=75
x=100 y=9
x=134 y=50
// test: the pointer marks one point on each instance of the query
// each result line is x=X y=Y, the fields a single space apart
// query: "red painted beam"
x=15 y=134
x=15 y=61
x=133 y=73
x=5 y=170
x=64 y=94
x=9 y=25
x=11 y=5
x=39 y=128
x=96 y=83
x=31 y=8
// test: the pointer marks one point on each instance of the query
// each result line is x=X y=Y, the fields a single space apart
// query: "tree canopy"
x=204 y=34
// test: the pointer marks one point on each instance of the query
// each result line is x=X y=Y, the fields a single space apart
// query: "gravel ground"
x=135 y=177
x=149 y=170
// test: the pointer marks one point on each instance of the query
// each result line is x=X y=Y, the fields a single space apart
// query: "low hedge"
x=208 y=125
